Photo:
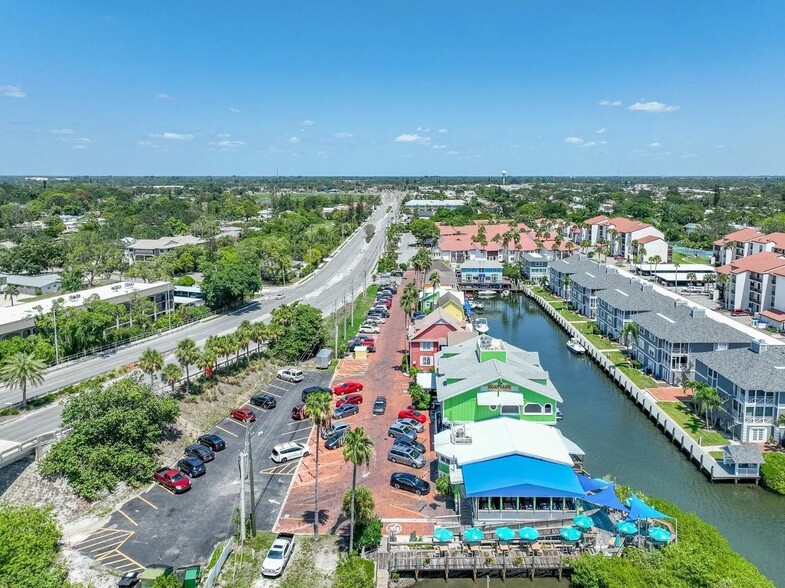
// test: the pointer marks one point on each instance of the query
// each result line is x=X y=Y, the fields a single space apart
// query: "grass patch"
x=600 y=342
x=638 y=378
x=683 y=258
x=546 y=295
x=570 y=315
x=691 y=423
x=718 y=455
x=244 y=565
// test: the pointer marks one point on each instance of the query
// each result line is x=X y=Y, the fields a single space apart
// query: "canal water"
x=619 y=440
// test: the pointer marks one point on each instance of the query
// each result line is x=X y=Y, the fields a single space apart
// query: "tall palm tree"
x=318 y=408
x=21 y=370
x=187 y=354
x=358 y=449
x=676 y=267
x=151 y=361
x=171 y=374
x=434 y=280
x=629 y=333
x=258 y=334
x=206 y=361
x=10 y=291
x=691 y=277
x=723 y=281
x=244 y=333
x=656 y=260
x=708 y=280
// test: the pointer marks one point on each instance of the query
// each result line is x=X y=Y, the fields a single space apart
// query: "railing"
x=17 y=452
x=209 y=582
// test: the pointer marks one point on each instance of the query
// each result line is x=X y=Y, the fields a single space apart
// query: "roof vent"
x=758 y=346
x=698 y=312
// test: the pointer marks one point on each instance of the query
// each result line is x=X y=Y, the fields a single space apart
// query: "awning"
x=185 y=300
x=641 y=510
x=590 y=484
x=516 y=475
x=499 y=398
x=606 y=497
x=427 y=380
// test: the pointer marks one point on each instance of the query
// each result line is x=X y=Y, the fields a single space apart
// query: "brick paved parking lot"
x=403 y=512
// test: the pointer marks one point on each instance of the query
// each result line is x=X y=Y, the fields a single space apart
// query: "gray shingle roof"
x=632 y=297
x=574 y=263
x=747 y=369
x=675 y=324
x=598 y=278
x=39 y=281
x=744 y=453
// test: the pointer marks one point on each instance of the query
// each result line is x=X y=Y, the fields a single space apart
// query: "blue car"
x=345 y=411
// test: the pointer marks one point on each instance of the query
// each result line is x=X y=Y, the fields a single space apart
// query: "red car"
x=383 y=302
x=298 y=412
x=172 y=480
x=740 y=312
x=408 y=413
x=243 y=414
x=349 y=399
x=347 y=388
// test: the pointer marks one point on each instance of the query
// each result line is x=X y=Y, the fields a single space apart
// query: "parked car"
x=172 y=480
x=416 y=425
x=354 y=398
x=278 y=556
x=379 y=405
x=410 y=483
x=298 y=412
x=287 y=451
x=212 y=441
x=385 y=302
x=409 y=443
x=406 y=455
x=334 y=428
x=193 y=467
x=418 y=315
x=368 y=342
x=199 y=451
x=312 y=390
x=291 y=375
x=397 y=273
x=243 y=414
x=280 y=296
x=336 y=439
x=372 y=329
x=408 y=413
x=740 y=312
x=264 y=401
x=379 y=311
x=376 y=320
x=398 y=430
x=348 y=388
x=345 y=411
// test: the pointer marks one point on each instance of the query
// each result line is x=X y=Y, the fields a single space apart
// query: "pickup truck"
x=172 y=480
x=279 y=555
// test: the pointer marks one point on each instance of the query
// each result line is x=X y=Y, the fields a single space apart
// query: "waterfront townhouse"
x=452 y=303
x=583 y=287
x=430 y=296
x=751 y=382
x=429 y=334
x=479 y=272
x=534 y=266
x=753 y=280
x=670 y=338
x=735 y=245
x=617 y=305
x=558 y=270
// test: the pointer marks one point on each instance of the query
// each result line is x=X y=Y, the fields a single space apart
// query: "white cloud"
x=688 y=155
x=422 y=130
x=10 y=91
x=438 y=146
x=307 y=123
x=590 y=144
x=79 y=146
x=163 y=97
x=169 y=136
x=573 y=140
x=453 y=152
x=601 y=131
x=654 y=107
x=609 y=102
x=343 y=135
x=294 y=140
x=82 y=140
x=444 y=130
x=230 y=144
x=223 y=135
x=655 y=145
x=322 y=153
x=407 y=138
x=233 y=109
x=149 y=144
x=62 y=131
x=719 y=146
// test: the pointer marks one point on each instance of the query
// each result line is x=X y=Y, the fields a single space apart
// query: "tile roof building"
x=753 y=282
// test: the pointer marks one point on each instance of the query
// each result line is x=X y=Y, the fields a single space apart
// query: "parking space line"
x=277 y=387
x=147 y=502
x=406 y=494
x=91 y=543
x=406 y=509
x=298 y=422
x=273 y=394
x=234 y=422
x=299 y=438
x=133 y=522
x=225 y=431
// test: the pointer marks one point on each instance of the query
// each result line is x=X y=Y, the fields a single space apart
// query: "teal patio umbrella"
x=570 y=534
x=443 y=535
x=504 y=534
x=626 y=528
x=583 y=522
x=659 y=535
x=529 y=534
x=472 y=535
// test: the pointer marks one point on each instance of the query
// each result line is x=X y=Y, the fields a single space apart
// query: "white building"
x=144 y=249
x=426 y=208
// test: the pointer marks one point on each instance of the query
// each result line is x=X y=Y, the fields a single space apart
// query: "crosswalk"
x=104 y=546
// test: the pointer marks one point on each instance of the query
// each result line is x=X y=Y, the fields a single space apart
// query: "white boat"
x=481 y=325
x=575 y=347
x=559 y=414
x=506 y=294
x=486 y=293
x=476 y=305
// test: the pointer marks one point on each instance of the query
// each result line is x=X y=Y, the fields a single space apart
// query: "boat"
x=559 y=414
x=481 y=325
x=506 y=294
x=476 y=305
x=575 y=347
x=486 y=293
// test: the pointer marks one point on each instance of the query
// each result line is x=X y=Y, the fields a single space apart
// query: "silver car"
x=406 y=455
x=416 y=425
x=399 y=430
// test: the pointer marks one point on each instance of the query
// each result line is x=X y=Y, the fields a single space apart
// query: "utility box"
x=361 y=352
x=191 y=576
x=324 y=358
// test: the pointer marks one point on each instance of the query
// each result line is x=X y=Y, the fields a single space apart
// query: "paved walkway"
x=671 y=394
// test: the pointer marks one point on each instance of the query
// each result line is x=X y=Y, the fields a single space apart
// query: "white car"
x=280 y=296
x=374 y=320
x=369 y=328
x=279 y=555
x=288 y=451
x=291 y=375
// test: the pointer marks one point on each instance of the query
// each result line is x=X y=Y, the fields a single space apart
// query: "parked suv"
x=334 y=428
x=286 y=451
x=193 y=467
x=379 y=405
x=291 y=375
x=398 y=430
x=199 y=451
x=406 y=455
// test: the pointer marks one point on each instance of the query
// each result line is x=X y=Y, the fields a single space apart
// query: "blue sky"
x=399 y=87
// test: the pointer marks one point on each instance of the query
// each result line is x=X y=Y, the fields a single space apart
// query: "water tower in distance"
x=504 y=177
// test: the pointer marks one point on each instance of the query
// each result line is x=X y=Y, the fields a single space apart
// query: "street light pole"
x=249 y=451
x=57 y=345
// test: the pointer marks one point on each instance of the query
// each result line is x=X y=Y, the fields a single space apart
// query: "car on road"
x=348 y=388
x=243 y=414
x=416 y=425
x=327 y=432
x=409 y=443
x=410 y=483
x=354 y=398
x=287 y=451
x=336 y=440
x=280 y=296
x=199 y=451
x=171 y=479
x=298 y=412
x=379 y=405
x=212 y=441
x=313 y=390
x=408 y=413
x=264 y=400
x=278 y=556
x=399 y=430
x=291 y=375
x=369 y=328
x=345 y=411
x=193 y=467
x=406 y=455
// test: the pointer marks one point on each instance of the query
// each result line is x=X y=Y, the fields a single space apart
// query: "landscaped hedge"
x=773 y=472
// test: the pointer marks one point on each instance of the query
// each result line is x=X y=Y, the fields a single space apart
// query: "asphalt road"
x=160 y=527
x=353 y=262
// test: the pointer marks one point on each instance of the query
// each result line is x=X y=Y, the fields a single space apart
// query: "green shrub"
x=443 y=485
x=354 y=572
x=368 y=534
x=185 y=281
x=773 y=472
x=420 y=397
x=29 y=555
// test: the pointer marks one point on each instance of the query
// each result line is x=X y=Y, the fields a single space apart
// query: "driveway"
x=159 y=527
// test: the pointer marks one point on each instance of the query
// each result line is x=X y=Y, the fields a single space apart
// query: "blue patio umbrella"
x=504 y=534
x=626 y=528
x=659 y=534
x=583 y=522
x=570 y=534
x=472 y=535
x=529 y=534
x=443 y=535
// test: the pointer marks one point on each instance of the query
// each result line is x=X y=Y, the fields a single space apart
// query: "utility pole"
x=249 y=450
x=241 y=459
x=351 y=296
x=343 y=307
x=335 y=318
x=57 y=345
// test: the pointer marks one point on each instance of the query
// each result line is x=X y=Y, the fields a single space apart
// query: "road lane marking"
x=147 y=502
x=228 y=432
x=133 y=522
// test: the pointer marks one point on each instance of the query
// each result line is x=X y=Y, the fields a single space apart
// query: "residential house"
x=144 y=249
x=743 y=460
x=534 y=266
x=34 y=285
x=735 y=245
x=753 y=282
x=429 y=334
x=617 y=305
x=480 y=272
x=501 y=242
x=429 y=296
x=452 y=304
x=559 y=269
x=751 y=382
x=584 y=285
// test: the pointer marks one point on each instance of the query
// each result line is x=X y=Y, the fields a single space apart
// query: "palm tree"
x=434 y=280
x=585 y=244
x=318 y=408
x=656 y=260
x=358 y=449
x=21 y=370
x=150 y=362
x=206 y=361
x=171 y=374
x=676 y=267
x=10 y=291
x=708 y=280
x=187 y=354
x=629 y=333
x=566 y=283
x=258 y=334
x=706 y=398
x=691 y=277
x=723 y=281
x=244 y=333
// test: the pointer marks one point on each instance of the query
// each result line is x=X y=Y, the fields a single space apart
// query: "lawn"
x=692 y=424
x=545 y=294
x=638 y=378
x=570 y=315
x=683 y=258
x=598 y=341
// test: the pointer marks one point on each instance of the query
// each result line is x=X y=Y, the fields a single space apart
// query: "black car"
x=312 y=390
x=212 y=441
x=379 y=405
x=410 y=443
x=410 y=483
x=193 y=467
x=263 y=400
x=379 y=311
x=200 y=451
x=345 y=411
x=336 y=439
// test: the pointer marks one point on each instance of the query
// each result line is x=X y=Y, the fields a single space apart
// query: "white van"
x=291 y=375
x=286 y=451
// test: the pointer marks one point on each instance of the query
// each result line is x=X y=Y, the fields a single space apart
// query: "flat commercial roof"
x=516 y=475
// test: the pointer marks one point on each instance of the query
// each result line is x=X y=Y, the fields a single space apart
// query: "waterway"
x=619 y=440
